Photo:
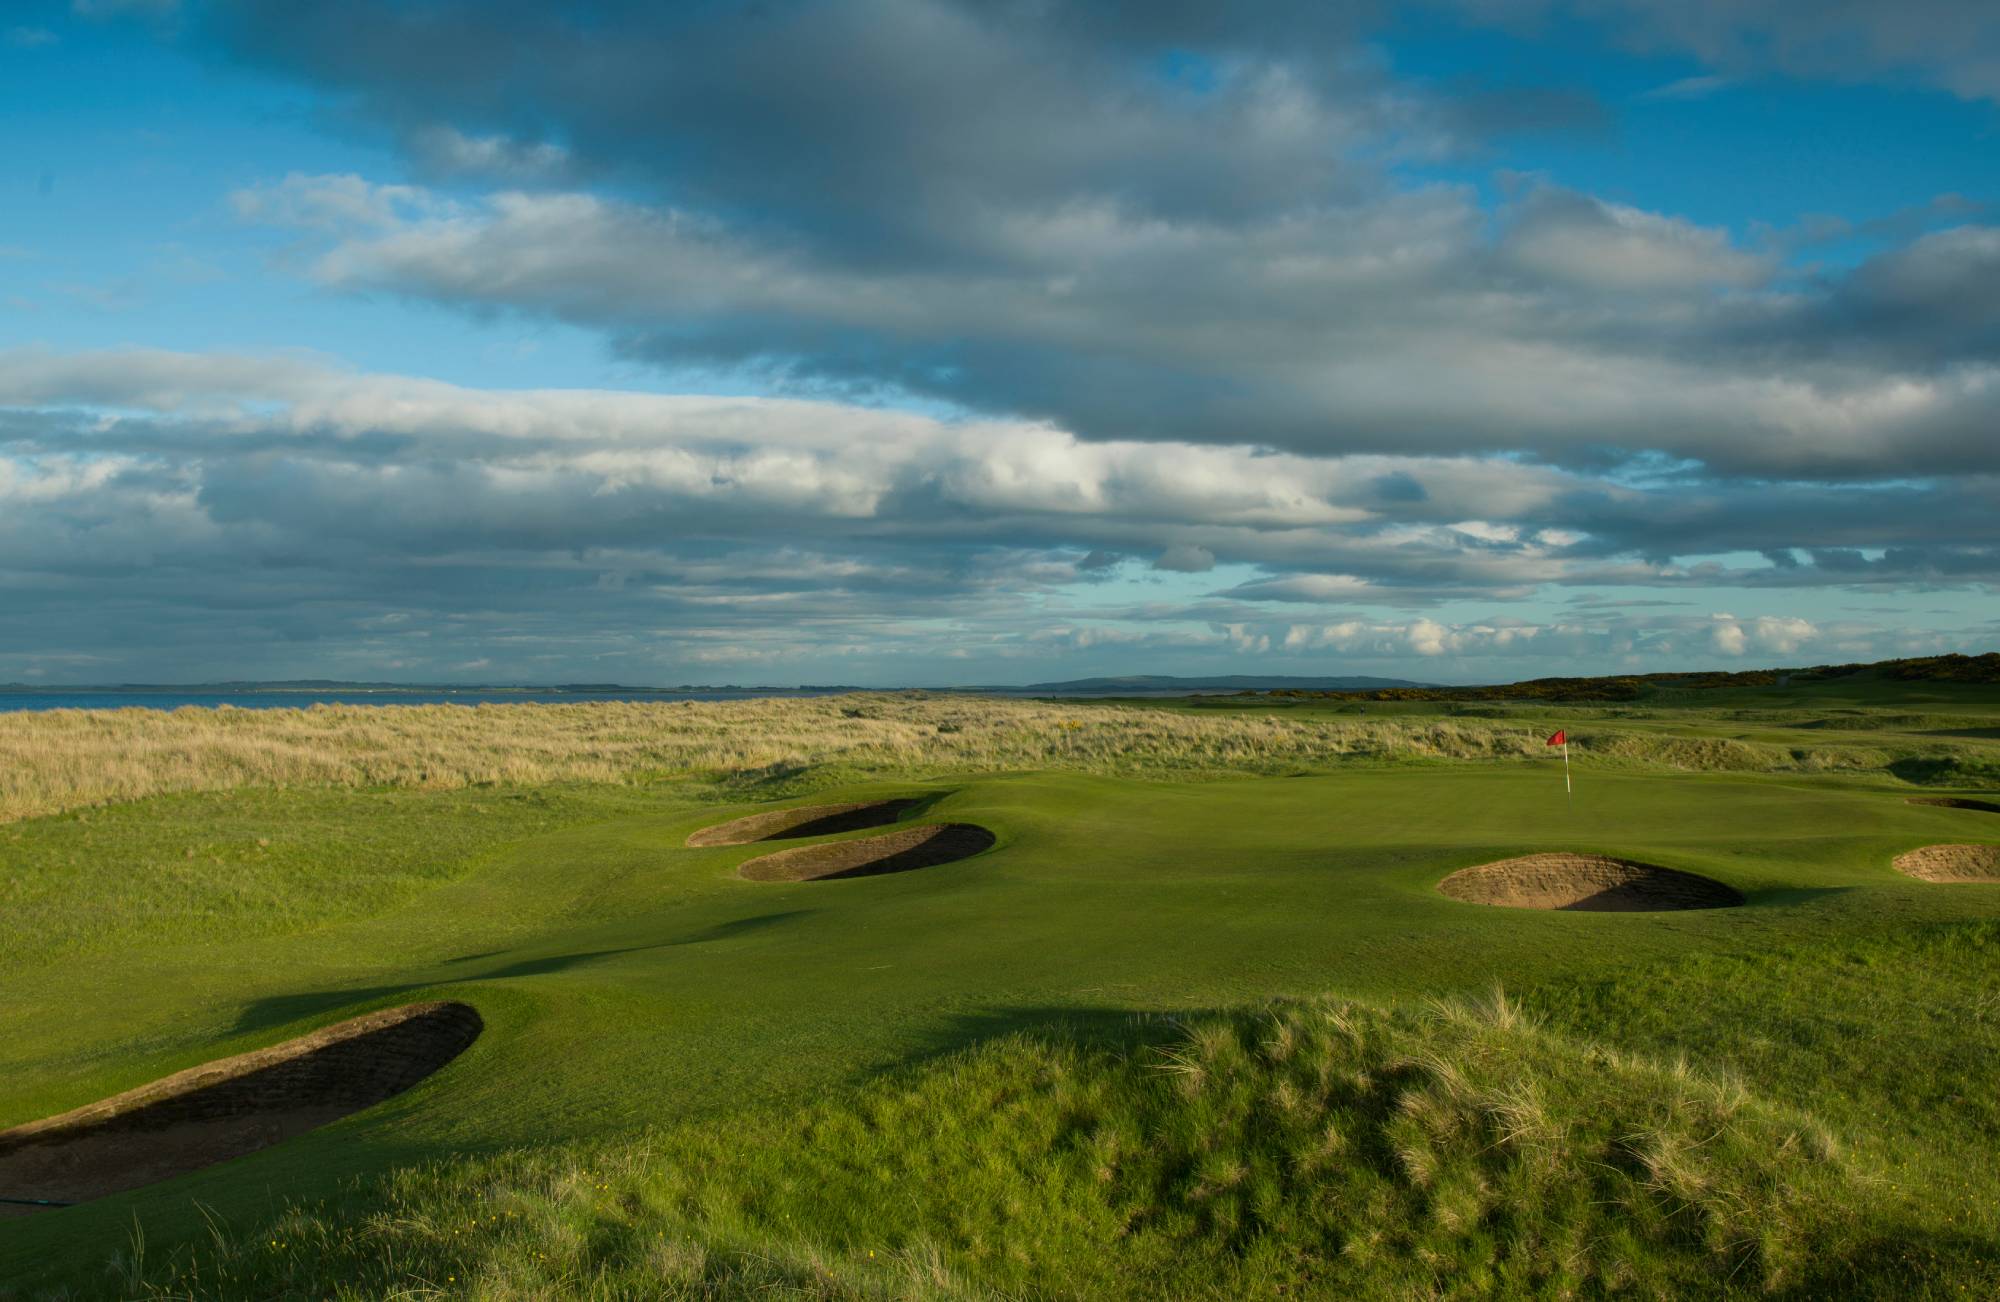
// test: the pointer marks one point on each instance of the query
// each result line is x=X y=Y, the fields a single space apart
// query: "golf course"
x=1260 y=995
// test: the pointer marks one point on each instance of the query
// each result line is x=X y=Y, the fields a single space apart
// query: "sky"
x=925 y=342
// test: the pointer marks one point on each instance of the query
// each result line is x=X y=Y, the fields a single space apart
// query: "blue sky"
x=911 y=341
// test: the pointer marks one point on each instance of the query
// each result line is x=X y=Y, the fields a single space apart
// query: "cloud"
x=1700 y=87
x=1583 y=334
x=1182 y=281
x=1562 y=237
x=337 y=203
x=99 y=9
x=1148 y=223
x=445 y=151
x=1771 y=634
x=299 y=507
x=1943 y=42
x=1184 y=558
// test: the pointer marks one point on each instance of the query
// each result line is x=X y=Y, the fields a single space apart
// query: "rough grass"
x=1324 y=1147
x=58 y=760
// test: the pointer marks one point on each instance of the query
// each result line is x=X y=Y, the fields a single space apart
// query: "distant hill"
x=1168 y=685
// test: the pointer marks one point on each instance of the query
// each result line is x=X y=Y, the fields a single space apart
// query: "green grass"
x=772 y=1081
x=1319 y=1146
x=233 y=863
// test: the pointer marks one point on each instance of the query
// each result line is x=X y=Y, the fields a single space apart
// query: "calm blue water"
x=173 y=700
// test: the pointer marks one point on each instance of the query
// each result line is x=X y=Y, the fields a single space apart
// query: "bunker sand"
x=1586 y=883
x=1951 y=863
x=900 y=851
x=794 y=824
x=230 y=1107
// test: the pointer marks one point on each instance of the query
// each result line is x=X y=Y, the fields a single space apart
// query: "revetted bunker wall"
x=232 y=1106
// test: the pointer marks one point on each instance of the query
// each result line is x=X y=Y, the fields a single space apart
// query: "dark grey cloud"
x=1137 y=221
x=884 y=129
x=1582 y=332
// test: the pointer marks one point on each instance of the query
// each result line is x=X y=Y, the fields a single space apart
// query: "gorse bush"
x=1323 y=1147
x=56 y=760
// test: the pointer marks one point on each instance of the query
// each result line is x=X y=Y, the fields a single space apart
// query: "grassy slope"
x=1322 y=1147
x=628 y=982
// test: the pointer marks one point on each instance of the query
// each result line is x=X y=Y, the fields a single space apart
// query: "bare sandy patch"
x=900 y=851
x=808 y=820
x=230 y=1107
x=1952 y=863
x=1587 y=883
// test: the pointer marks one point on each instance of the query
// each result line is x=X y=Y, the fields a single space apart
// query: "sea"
x=167 y=698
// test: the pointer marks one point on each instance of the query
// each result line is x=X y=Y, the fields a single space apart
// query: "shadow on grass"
x=1786 y=896
x=281 y=1010
x=1949 y=770
x=1900 y=1264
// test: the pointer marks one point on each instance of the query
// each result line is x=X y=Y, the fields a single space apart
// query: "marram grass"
x=57 y=760
x=1320 y=1147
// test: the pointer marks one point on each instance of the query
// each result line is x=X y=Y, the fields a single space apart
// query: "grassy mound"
x=1322 y=1146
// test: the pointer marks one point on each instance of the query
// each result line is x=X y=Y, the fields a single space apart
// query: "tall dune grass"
x=1319 y=1149
x=64 y=759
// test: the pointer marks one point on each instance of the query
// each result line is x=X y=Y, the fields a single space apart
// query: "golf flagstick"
x=1562 y=739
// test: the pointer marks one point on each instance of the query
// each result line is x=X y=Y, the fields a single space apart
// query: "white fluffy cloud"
x=1771 y=634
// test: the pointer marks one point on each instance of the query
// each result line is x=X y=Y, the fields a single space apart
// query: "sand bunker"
x=1952 y=863
x=1585 y=882
x=229 y=1107
x=1956 y=802
x=792 y=824
x=912 y=847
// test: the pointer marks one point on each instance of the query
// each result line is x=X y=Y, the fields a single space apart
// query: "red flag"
x=1559 y=739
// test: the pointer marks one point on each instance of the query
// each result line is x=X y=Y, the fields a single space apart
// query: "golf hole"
x=1957 y=802
x=794 y=824
x=230 y=1107
x=1951 y=863
x=900 y=851
x=1587 y=883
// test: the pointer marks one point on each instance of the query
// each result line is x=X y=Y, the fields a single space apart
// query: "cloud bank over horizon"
x=929 y=342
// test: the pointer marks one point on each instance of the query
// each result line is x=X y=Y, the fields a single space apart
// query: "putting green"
x=626 y=979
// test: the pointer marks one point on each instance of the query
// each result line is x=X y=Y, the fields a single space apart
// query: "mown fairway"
x=628 y=982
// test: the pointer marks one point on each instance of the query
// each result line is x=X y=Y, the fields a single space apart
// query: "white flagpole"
x=1568 y=790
